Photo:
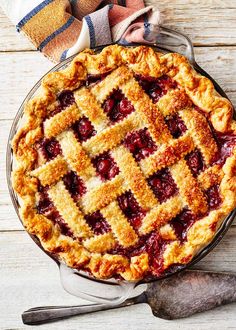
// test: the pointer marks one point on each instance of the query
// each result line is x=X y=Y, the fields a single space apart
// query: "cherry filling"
x=140 y=144
x=156 y=87
x=131 y=208
x=105 y=166
x=93 y=79
x=83 y=129
x=176 y=126
x=195 y=162
x=46 y=207
x=74 y=185
x=152 y=244
x=155 y=247
x=117 y=106
x=66 y=98
x=226 y=144
x=163 y=185
x=97 y=222
x=213 y=197
x=182 y=222
x=50 y=148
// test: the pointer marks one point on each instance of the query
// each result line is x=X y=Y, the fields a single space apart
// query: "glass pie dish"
x=83 y=284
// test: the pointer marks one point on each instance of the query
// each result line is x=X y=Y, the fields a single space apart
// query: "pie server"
x=113 y=293
x=172 y=298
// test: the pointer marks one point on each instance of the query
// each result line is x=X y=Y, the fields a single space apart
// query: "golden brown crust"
x=89 y=251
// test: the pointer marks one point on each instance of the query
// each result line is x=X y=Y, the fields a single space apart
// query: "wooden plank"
x=29 y=278
x=20 y=71
x=205 y=22
x=9 y=38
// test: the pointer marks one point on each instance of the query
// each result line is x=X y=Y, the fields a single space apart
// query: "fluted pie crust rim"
x=123 y=62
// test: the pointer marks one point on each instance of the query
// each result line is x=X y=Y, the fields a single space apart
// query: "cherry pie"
x=126 y=162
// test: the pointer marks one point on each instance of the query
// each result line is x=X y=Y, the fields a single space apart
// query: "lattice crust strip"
x=61 y=121
x=210 y=177
x=75 y=155
x=173 y=101
x=147 y=111
x=100 y=243
x=134 y=178
x=167 y=155
x=116 y=79
x=199 y=129
x=102 y=195
x=161 y=214
x=111 y=137
x=90 y=107
x=188 y=187
x=120 y=226
x=68 y=210
x=50 y=172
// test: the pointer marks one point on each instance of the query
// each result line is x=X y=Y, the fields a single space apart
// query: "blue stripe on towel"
x=146 y=27
x=32 y=13
x=91 y=31
x=124 y=42
x=63 y=55
x=55 y=33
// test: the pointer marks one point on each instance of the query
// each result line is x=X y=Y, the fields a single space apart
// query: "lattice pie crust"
x=126 y=162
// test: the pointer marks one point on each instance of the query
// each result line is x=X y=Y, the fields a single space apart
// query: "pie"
x=126 y=163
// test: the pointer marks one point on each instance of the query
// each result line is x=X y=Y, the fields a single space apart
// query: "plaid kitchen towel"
x=61 y=28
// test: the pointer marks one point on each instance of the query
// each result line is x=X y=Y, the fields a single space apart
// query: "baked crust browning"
x=160 y=142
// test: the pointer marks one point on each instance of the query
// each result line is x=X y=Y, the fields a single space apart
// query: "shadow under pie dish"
x=126 y=162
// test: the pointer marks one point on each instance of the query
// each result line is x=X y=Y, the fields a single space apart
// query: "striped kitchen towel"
x=61 y=28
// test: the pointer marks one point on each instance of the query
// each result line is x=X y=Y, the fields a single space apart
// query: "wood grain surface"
x=28 y=277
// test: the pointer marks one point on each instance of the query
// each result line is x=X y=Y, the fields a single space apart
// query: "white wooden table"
x=27 y=276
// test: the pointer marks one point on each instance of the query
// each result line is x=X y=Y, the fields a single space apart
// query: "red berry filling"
x=117 y=106
x=97 y=222
x=93 y=79
x=55 y=111
x=83 y=129
x=195 y=162
x=155 y=247
x=66 y=98
x=156 y=87
x=74 y=185
x=182 y=222
x=50 y=148
x=131 y=208
x=226 y=144
x=163 y=185
x=140 y=144
x=176 y=126
x=213 y=197
x=105 y=166
x=46 y=207
x=152 y=244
